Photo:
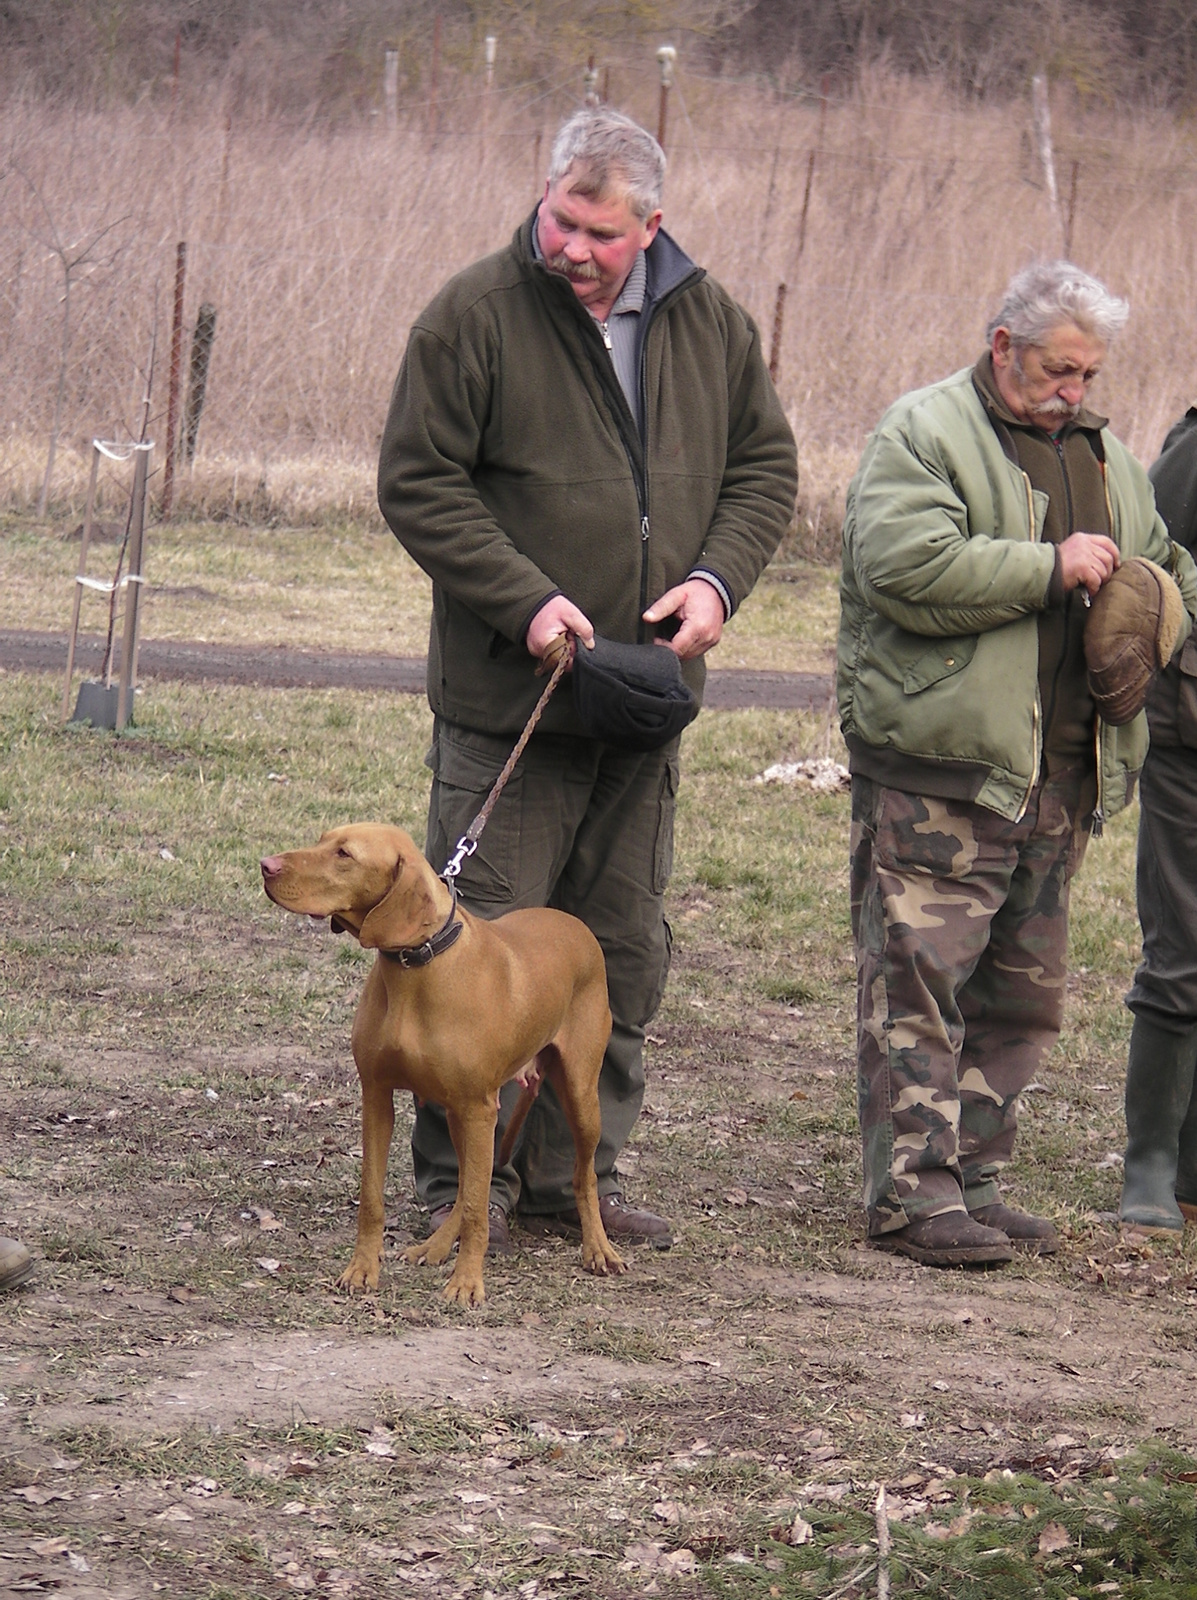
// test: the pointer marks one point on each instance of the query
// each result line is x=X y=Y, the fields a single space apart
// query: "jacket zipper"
x=640 y=475
x=1099 y=810
x=1036 y=712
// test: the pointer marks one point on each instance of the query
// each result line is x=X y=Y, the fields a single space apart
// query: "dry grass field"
x=317 y=243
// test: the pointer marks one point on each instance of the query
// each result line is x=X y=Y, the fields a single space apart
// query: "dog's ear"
x=407 y=913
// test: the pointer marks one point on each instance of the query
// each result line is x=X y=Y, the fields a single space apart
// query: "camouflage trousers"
x=960 y=921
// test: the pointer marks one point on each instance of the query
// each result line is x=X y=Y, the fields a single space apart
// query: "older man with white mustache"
x=987 y=511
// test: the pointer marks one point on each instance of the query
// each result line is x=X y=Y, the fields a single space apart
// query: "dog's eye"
x=346 y=854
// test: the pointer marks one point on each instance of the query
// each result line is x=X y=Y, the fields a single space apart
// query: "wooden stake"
x=1076 y=170
x=810 y=178
x=434 y=77
x=881 y=1521
x=1043 y=138
x=82 y=573
x=390 y=88
x=176 y=361
x=666 y=57
x=124 y=703
x=779 y=312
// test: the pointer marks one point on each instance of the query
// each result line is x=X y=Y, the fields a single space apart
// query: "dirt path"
x=280 y=668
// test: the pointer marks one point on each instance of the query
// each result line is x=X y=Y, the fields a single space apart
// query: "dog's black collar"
x=419 y=955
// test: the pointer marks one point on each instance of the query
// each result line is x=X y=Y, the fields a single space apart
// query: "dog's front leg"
x=473 y=1131
x=378 y=1123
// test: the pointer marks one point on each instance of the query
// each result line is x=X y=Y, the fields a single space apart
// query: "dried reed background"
x=318 y=245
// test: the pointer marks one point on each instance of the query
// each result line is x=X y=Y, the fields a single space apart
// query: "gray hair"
x=1042 y=296
x=607 y=153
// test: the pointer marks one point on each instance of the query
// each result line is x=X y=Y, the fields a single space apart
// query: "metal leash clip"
x=464 y=850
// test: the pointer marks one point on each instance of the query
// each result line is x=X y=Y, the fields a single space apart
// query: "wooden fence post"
x=666 y=57
x=1043 y=138
x=434 y=77
x=176 y=361
x=390 y=88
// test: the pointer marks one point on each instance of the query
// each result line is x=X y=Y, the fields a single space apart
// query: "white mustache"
x=585 y=271
x=1057 y=406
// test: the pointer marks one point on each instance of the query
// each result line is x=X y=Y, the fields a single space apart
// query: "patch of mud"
x=276 y=1380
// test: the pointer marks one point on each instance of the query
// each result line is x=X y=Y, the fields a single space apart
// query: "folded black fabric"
x=631 y=695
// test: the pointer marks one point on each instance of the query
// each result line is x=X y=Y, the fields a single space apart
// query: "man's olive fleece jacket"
x=511 y=469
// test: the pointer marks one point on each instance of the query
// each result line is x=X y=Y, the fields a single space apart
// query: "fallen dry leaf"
x=1054 y=1537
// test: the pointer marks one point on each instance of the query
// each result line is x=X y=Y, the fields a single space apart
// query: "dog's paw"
x=601 y=1262
x=463 y=1289
x=428 y=1253
x=361 y=1273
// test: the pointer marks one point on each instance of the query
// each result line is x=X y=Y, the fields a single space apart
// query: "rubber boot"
x=1186 y=1162
x=1159 y=1087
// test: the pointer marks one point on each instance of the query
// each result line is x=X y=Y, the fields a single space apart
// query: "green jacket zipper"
x=1036 y=710
x=1099 y=810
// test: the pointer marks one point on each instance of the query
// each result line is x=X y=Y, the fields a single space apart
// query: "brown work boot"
x=1034 y=1236
x=16 y=1264
x=499 y=1240
x=624 y=1224
x=953 y=1239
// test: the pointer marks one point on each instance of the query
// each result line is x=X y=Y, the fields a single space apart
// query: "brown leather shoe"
x=499 y=1240
x=625 y=1224
x=953 y=1239
x=16 y=1264
x=1034 y=1236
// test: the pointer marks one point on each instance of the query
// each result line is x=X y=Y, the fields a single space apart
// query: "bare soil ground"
x=188 y=1407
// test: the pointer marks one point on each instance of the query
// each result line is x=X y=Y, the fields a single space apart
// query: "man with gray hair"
x=988 y=510
x=583 y=439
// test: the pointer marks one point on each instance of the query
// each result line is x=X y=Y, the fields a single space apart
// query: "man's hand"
x=556 y=620
x=698 y=606
x=1088 y=559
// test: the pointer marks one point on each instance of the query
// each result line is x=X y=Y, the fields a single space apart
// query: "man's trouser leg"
x=1161 y=1106
x=586 y=829
x=1013 y=1005
x=929 y=877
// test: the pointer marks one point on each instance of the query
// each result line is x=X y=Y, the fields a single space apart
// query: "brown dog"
x=524 y=996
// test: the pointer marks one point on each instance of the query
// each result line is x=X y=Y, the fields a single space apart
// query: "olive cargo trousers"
x=585 y=828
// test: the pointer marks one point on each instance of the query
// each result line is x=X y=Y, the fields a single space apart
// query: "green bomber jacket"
x=942 y=580
x=511 y=468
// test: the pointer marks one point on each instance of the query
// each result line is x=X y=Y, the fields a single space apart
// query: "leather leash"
x=468 y=842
